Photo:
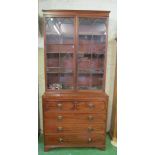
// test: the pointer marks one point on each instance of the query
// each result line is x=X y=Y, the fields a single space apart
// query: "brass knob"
x=89 y=140
x=61 y=140
x=59 y=128
x=91 y=105
x=90 y=129
x=90 y=117
x=59 y=105
x=60 y=117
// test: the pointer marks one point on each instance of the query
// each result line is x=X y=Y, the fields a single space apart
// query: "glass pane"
x=91 y=49
x=66 y=80
x=59 y=30
x=59 y=52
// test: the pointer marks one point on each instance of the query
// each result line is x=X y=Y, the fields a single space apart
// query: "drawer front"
x=53 y=117
x=50 y=127
x=66 y=106
x=75 y=139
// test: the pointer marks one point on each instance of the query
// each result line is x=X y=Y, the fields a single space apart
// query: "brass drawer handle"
x=61 y=140
x=91 y=105
x=59 y=105
x=89 y=140
x=90 y=129
x=60 y=117
x=90 y=117
x=59 y=128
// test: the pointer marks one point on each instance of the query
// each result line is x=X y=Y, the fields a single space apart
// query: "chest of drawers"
x=74 y=120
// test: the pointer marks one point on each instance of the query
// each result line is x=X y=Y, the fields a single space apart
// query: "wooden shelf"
x=89 y=72
x=89 y=53
x=59 y=72
x=73 y=53
x=59 y=53
x=91 y=87
x=87 y=34
x=60 y=67
x=91 y=43
x=59 y=44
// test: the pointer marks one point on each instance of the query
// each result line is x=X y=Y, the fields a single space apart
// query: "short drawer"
x=56 y=117
x=75 y=106
x=75 y=139
x=63 y=127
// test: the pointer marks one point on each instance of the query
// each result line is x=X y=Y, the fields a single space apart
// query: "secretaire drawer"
x=76 y=106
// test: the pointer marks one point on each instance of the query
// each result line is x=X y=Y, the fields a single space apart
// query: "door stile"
x=76 y=50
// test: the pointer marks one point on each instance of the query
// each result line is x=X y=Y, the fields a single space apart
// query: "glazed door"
x=91 y=52
x=75 y=59
x=59 y=45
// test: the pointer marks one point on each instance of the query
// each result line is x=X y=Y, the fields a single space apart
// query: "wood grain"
x=76 y=107
x=75 y=139
x=75 y=126
x=65 y=127
x=74 y=118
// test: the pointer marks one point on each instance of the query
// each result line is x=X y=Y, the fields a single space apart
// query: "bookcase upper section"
x=75 y=45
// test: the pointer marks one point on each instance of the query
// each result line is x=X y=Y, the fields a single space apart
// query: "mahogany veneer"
x=74 y=102
x=74 y=119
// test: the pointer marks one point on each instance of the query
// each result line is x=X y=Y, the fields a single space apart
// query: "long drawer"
x=63 y=127
x=75 y=139
x=79 y=107
x=54 y=117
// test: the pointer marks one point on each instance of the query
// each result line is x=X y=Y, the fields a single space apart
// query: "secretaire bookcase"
x=75 y=103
